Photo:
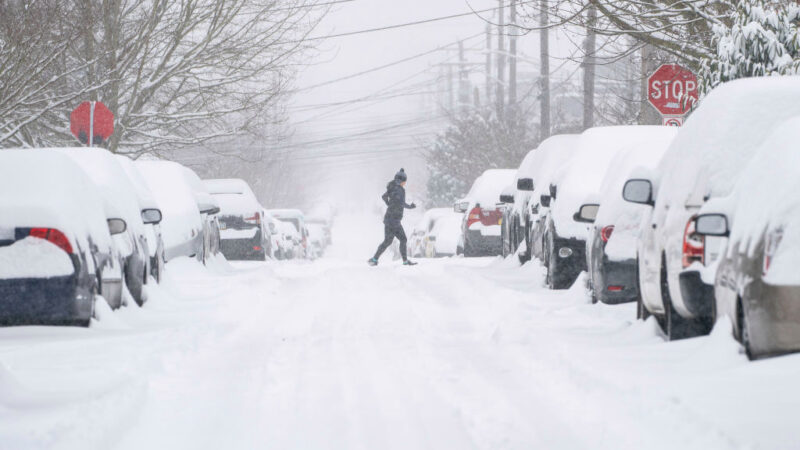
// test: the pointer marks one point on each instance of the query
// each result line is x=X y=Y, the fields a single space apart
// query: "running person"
x=395 y=199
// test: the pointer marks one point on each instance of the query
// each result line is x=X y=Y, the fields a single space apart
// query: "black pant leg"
x=388 y=233
x=401 y=236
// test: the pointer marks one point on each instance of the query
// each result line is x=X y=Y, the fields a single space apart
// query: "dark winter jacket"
x=395 y=199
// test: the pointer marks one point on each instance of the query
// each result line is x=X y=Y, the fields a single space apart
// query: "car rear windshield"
x=235 y=223
x=294 y=222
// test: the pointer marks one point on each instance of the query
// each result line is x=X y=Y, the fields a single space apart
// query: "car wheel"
x=744 y=332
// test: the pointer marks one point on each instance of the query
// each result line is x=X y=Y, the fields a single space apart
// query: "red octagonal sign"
x=672 y=90
x=91 y=118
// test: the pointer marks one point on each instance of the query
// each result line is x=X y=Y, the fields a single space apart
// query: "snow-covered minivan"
x=244 y=233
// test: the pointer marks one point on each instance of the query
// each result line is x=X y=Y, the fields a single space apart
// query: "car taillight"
x=52 y=235
x=474 y=216
x=693 y=245
x=771 y=246
x=256 y=219
x=605 y=233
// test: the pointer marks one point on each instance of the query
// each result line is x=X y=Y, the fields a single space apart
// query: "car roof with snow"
x=286 y=213
x=486 y=189
x=597 y=148
x=233 y=195
x=430 y=216
x=113 y=183
x=48 y=189
x=551 y=155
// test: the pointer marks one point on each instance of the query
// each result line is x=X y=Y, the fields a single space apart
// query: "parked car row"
x=82 y=224
x=694 y=224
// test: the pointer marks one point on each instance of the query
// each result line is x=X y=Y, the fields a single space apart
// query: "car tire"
x=641 y=311
x=675 y=326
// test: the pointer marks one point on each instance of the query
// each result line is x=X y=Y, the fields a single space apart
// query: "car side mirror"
x=461 y=207
x=525 y=184
x=712 y=225
x=587 y=213
x=116 y=226
x=638 y=191
x=553 y=190
x=506 y=198
x=545 y=200
x=151 y=216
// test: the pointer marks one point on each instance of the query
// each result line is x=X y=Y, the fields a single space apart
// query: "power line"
x=402 y=25
x=384 y=66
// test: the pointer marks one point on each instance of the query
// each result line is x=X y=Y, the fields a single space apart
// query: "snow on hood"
x=765 y=199
x=43 y=188
x=614 y=210
x=587 y=169
x=181 y=219
x=447 y=230
x=720 y=138
x=431 y=216
x=234 y=196
x=112 y=182
x=486 y=189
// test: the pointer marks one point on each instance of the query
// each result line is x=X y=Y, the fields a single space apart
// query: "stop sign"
x=91 y=118
x=672 y=90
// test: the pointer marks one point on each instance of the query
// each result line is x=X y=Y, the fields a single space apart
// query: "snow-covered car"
x=508 y=229
x=277 y=246
x=151 y=216
x=513 y=230
x=611 y=245
x=480 y=230
x=325 y=225
x=298 y=221
x=209 y=208
x=703 y=162
x=182 y=225
x=292 y=241
x=550 y=160
x=567 y=229
x=120 y=193
x=757 y=284
x=443 y=238
x=416 y=242
x=56 y=251
x=317 y=239
x=243 y=231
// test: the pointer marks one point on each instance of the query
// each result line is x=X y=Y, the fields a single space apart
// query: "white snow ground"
x=451 y=354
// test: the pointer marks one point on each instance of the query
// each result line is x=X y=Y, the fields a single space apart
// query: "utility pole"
x=463 y=81
x=512 y=69
x=647 y=114
x=451 y=88
x=501 y=60
x=544 y=72
x=488 y=87
x=589 y=67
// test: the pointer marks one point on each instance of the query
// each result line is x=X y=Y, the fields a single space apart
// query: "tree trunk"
x=544 y=72
x=589 y=66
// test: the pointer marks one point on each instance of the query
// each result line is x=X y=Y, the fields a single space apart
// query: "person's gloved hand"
x=412 y=205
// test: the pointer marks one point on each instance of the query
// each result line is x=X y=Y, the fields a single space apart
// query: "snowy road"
x=451 y=354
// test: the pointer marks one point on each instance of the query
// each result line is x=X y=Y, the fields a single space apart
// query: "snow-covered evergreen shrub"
x=762 y=40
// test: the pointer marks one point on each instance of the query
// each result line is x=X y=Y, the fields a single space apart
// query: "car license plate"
x=223 y=226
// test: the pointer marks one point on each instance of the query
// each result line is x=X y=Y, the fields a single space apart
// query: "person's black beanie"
x=400 y=176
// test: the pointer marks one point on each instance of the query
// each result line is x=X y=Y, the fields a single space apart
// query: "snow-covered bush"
x=762 y=40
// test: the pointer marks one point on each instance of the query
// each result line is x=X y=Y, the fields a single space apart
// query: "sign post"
x=672 y=90
x=91 y=123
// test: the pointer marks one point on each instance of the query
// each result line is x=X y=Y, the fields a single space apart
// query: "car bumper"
x=697 y=296
x=616 y=281
x=488 y=245
x=243 y=249
x=44 y=301
x=774 y=320
x=568 y=267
